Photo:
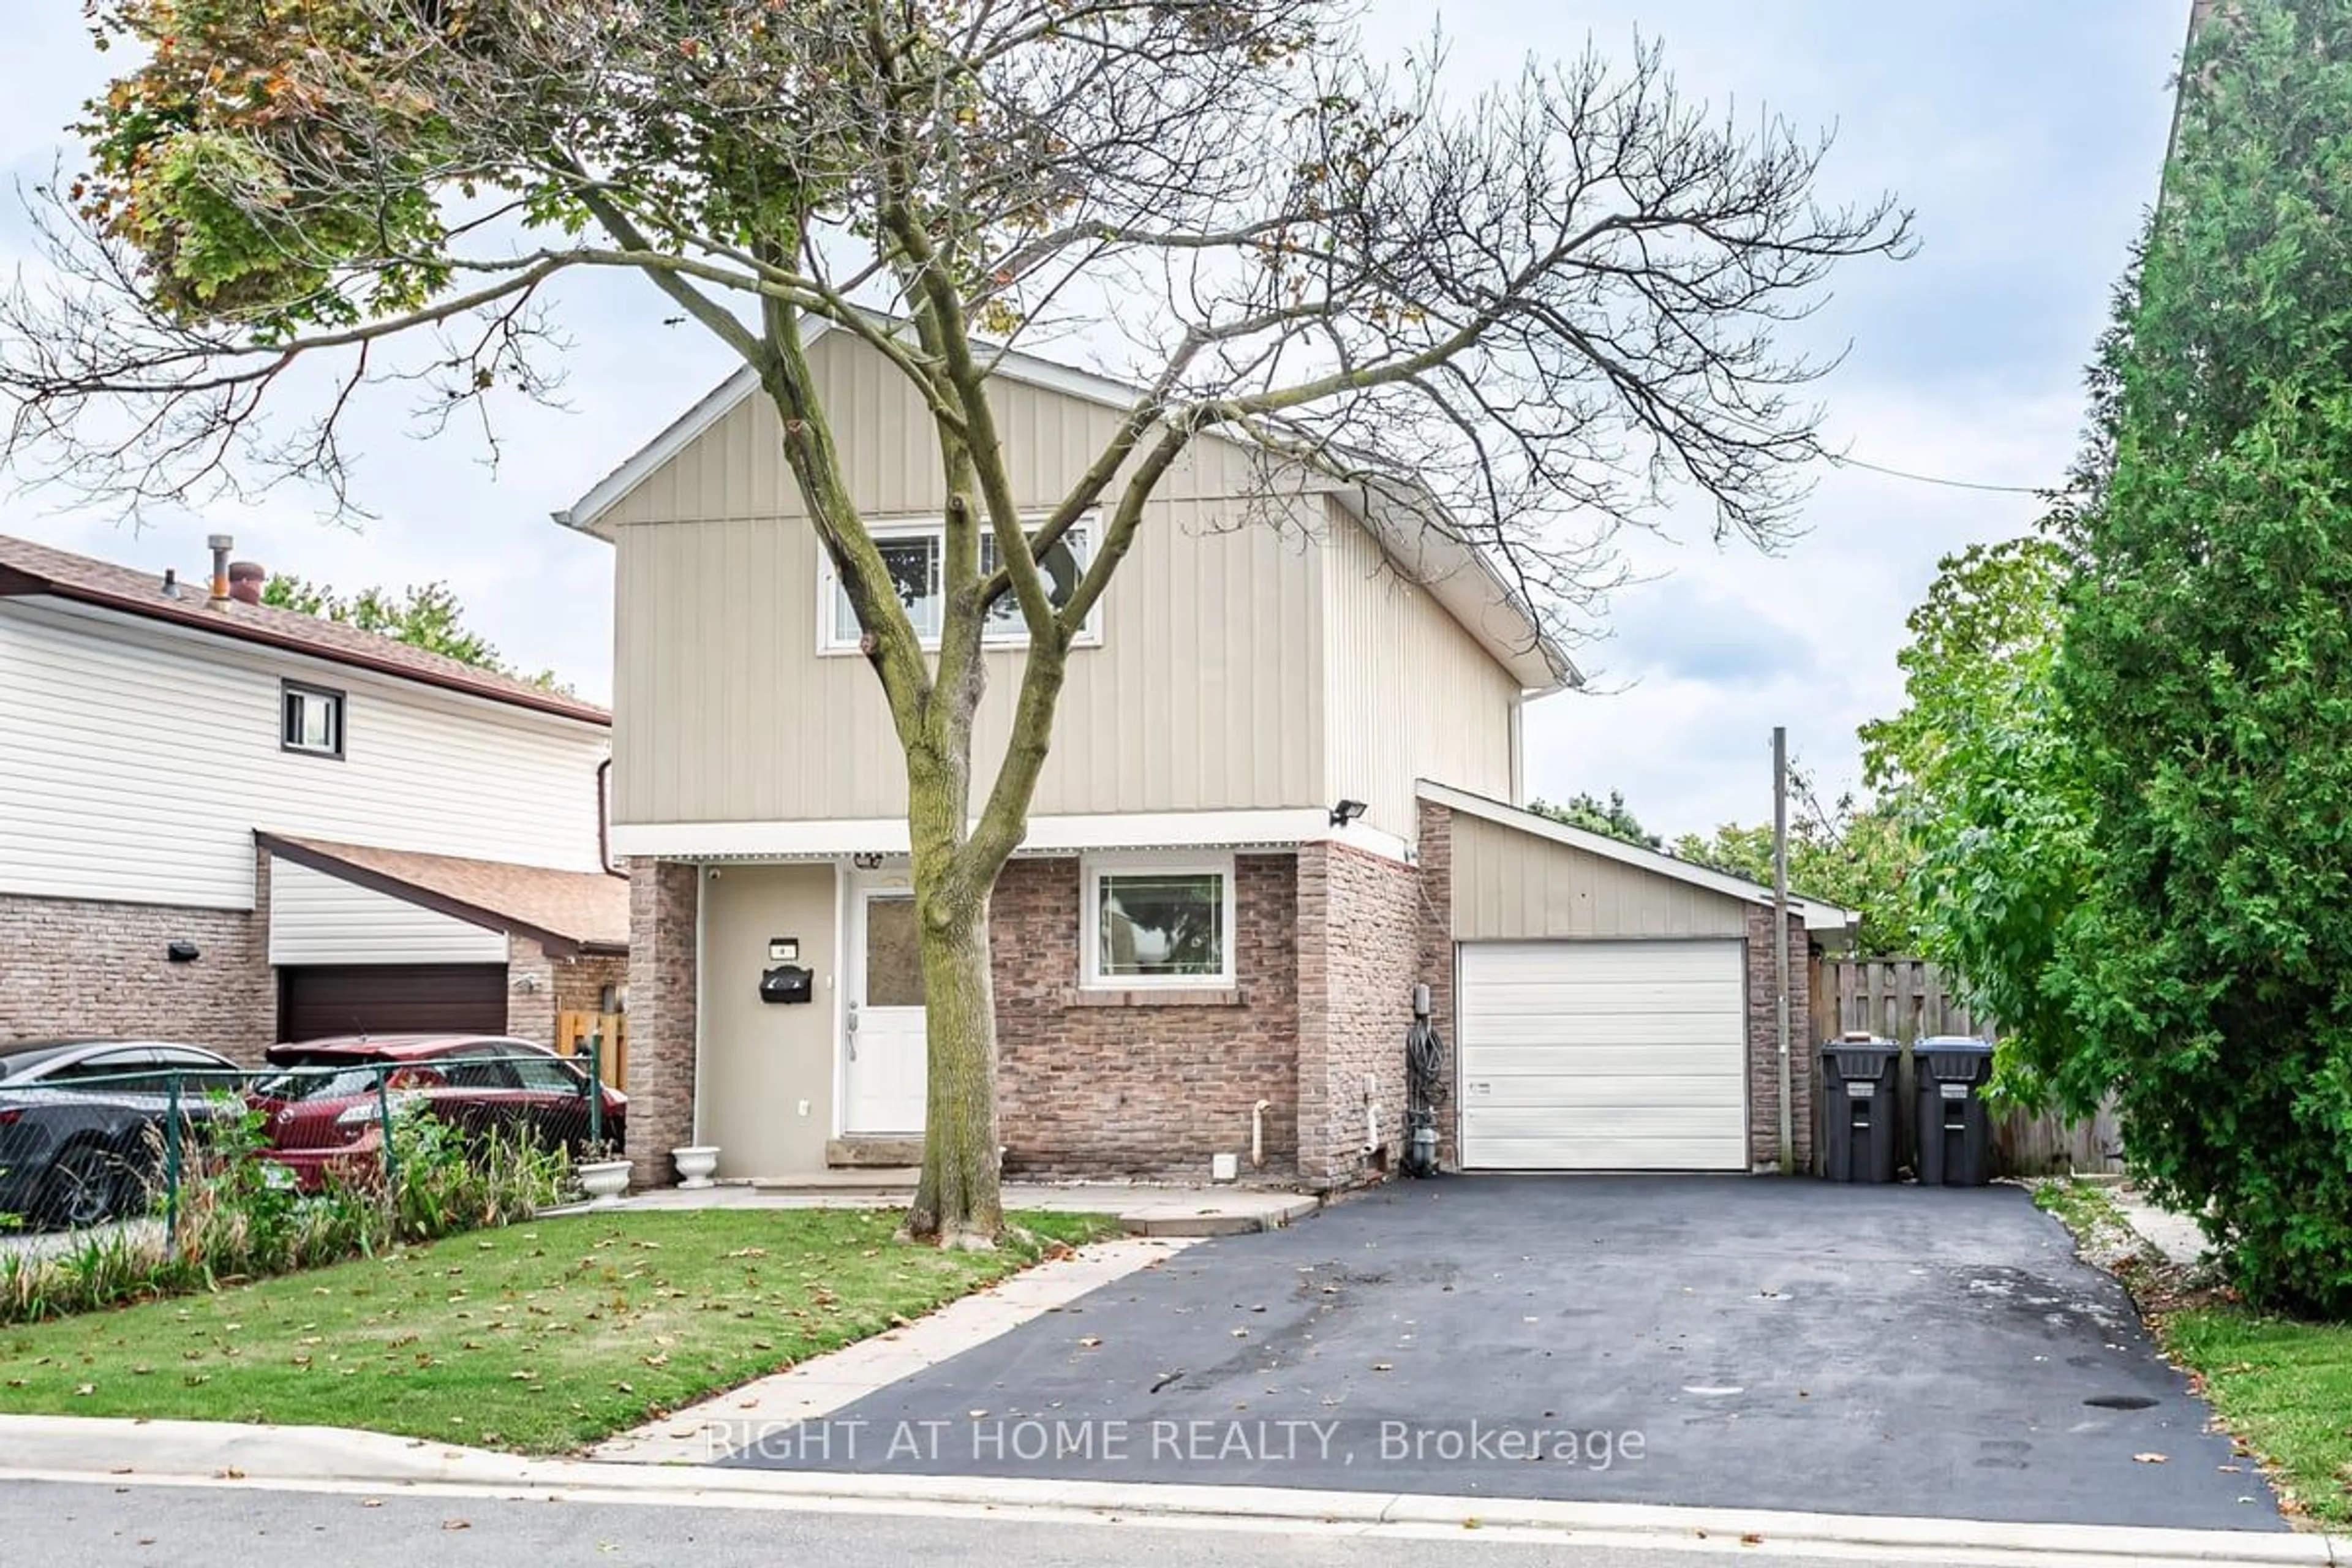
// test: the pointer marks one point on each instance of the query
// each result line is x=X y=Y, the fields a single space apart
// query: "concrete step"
x=872 y=1153
x=880 y=1180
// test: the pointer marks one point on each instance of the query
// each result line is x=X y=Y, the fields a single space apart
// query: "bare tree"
x=1530 y=316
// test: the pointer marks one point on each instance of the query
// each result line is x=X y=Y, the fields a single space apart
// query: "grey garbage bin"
x=1954 y=1129
x=1862 y=1110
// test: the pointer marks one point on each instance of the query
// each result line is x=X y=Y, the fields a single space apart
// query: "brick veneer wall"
x=663 y=896
x=1764 y=1044
x=1146 y=1084
x=1436 y=868
x=1359 y=938
x=75 y=966
x=561 y=985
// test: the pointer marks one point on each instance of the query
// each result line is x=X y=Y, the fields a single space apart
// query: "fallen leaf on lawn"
x=659 y=1358
x=86 y=1389
x=624 y=1388
x=2147 y=1458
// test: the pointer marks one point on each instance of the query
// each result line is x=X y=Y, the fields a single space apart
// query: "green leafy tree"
x=1848 y=855
x=1980 y=774
x=1543 y=305
x=1611 y=817
x=426 y=616
x=2206 y=667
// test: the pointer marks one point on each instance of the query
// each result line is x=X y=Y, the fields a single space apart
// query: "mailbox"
x=787 y=983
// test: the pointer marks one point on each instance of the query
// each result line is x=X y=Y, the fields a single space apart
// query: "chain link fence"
x=79 y=1150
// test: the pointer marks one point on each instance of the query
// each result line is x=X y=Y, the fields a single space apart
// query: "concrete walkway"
x=2175 y=1236
x=1155 y=1211
x=744 y=1417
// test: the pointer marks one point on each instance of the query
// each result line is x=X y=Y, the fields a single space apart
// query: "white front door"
x=883 y=1050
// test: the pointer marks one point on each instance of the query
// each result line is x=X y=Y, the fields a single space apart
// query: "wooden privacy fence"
x=1908 y=999
x=573 y=1031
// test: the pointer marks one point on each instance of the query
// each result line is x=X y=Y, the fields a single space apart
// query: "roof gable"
x=30 y=569
x=1460 y=576
x=1818 y=914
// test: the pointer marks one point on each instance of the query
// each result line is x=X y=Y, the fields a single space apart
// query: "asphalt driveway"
x=1731 y=1342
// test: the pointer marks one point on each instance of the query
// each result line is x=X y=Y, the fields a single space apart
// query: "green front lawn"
x=2281 y=1386
x=540 y=1338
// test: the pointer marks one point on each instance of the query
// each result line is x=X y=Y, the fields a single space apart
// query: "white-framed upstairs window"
x=1151 y=920
x=914 y=553
x=310 y=719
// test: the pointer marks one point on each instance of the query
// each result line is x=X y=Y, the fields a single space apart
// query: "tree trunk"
x=959 y=1202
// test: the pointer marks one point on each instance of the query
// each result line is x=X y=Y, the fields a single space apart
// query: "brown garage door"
x=315 y=1000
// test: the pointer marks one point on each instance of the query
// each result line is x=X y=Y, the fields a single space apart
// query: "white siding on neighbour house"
x=1411 y=694
x=136 y=760
x=317 y=918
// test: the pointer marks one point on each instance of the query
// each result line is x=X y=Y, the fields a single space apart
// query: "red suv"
x=322 y=1109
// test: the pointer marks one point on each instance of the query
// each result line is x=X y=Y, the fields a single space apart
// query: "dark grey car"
x=77 y=1119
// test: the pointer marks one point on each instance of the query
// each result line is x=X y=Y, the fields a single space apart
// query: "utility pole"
x=1781 y=938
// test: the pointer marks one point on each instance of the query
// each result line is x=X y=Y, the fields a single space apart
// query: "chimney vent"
x=220 y=546
x=170 y=583
x=245 y=579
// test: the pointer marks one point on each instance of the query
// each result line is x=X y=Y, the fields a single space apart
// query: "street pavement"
x=103 y=1523
x=1734 y=1343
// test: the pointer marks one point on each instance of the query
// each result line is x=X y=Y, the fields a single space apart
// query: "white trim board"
x=1278 y=827
x=1817 y=914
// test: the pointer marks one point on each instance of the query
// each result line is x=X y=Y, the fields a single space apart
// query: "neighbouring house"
x=1198 y=952
x=230 y=823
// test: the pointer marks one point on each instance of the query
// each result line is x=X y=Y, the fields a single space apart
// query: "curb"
x=193 y=1453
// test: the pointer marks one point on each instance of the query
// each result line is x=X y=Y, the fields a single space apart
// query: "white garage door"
x=1604 y=1056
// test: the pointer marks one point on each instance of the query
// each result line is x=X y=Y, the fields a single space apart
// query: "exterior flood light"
x=1346 y=812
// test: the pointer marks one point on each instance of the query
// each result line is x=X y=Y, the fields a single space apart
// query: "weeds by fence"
x=224 y=1174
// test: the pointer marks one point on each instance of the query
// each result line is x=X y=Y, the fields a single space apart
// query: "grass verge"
x=541 y=1338
x=2281 y=1386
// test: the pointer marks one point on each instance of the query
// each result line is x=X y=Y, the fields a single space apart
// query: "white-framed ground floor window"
x=1148 y=919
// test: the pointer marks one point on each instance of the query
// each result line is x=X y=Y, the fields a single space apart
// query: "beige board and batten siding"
x=1412 y=694
x=157 y=755
x=767 y=1067
x=1509 y=884
x=1204 y=695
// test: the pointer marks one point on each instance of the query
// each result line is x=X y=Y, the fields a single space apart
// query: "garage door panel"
x=1546 y=1153
x=1603 y=1055
x=1551 y=1091
x=321 y=999
x=1547 y=1033
x=1680 y=1060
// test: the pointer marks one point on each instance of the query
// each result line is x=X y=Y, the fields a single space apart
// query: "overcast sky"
x=2026 y=134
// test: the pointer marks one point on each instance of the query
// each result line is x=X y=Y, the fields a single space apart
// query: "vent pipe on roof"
x=170 y=583
x=220 y=546
x=244 y=581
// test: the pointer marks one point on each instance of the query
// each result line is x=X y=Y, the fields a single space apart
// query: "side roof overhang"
x=1818 y=914
x=568 y=913
x=1459 y=575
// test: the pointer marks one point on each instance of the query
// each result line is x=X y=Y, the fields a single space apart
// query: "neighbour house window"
x=310 y=719
x=1153 y=921
x=914 y=552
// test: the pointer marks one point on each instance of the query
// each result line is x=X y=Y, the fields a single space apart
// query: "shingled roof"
x=26 y=568
x=566 y=911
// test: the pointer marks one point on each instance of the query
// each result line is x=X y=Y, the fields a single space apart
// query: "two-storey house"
x=1283 y=791
x=231 y=823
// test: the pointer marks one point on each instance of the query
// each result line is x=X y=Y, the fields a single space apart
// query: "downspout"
x=1780 y=936
x=604 y=820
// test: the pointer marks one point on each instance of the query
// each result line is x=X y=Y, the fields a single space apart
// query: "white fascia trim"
x=1819 y=916
x=1284 y=827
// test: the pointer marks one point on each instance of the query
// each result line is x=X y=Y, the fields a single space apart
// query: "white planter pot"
x=604 y=1180
x=694 y=1163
